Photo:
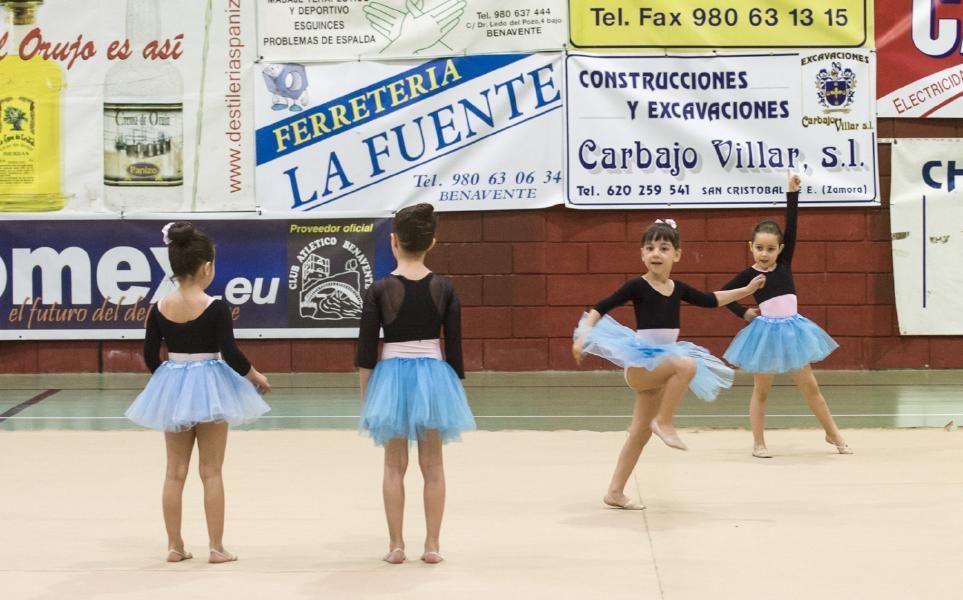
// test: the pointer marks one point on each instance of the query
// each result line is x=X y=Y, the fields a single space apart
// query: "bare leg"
x=683 y=370
x=393 y=491
x=433 y=470
x=179 y=446
x=644 y=411
x=761 y=384
x=211 y=444
x=806 y=381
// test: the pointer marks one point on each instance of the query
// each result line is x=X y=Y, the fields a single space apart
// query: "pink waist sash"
x=657 y=336
x=780 y=306
x=192 y=357
x=412 y=349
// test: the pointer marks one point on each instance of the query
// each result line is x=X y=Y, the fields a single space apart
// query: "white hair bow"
x=669 y=222
x=165 y=230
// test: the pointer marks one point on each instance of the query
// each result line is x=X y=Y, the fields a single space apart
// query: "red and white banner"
x=919 y=60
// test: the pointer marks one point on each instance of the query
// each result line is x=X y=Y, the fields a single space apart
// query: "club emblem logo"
x=329 y=279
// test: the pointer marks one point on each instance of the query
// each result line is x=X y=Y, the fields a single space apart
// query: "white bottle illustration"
x=143 y=123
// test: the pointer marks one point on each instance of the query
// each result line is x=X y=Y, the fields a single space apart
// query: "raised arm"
x=792 y=215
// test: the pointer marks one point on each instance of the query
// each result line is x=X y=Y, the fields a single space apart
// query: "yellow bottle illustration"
x=29 y=118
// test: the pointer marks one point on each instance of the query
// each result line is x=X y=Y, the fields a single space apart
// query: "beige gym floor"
x=81 y=497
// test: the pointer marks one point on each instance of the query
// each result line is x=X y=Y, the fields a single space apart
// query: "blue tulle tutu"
x=181 y=394
x=617 y=343
x=406 y=397
x=779 y=345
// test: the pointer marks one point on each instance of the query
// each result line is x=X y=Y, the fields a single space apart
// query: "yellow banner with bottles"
x=721 y=24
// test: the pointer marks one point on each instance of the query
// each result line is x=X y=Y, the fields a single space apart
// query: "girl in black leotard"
x=413 y=393
x=205 y=384
x=657 y=366
x=778 y=339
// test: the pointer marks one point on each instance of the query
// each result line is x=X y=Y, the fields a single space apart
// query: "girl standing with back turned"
x=195 y=394
x=413 y=394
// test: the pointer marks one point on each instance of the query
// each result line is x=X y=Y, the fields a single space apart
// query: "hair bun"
x=415 y=226
x=181 y=232
x=424 y=210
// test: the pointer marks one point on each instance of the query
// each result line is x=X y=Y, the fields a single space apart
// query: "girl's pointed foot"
x=621 y=501
x=670 y=437
x=842 y=448
x=431 y=557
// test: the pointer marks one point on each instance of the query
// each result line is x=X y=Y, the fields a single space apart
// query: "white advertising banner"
x=109 y=108
x=721 y=130
x=319 y=30
x=926 y=219
x=465 y=133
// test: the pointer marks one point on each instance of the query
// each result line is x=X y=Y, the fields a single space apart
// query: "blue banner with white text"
x=97 y=279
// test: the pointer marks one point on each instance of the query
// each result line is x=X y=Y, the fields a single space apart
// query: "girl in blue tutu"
x=205 y=384
x=414 y=393
x=778 y=339
x=658 y=367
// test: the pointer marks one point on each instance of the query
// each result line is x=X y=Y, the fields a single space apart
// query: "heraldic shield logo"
x=328 y=276
x=836 y=87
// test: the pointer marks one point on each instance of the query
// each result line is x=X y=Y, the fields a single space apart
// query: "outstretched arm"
x=721 y=298
x=725 y=297
x=739 y=281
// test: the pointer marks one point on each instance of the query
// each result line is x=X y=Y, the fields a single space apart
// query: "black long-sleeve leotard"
x=212 y=331
x=779 y=280
x=653 y=310
x=410 y=310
